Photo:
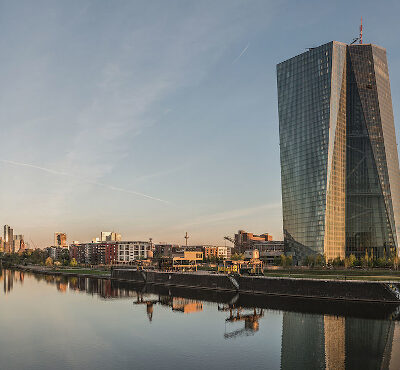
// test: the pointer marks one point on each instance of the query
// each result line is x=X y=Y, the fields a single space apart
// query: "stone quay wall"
x=349 y=290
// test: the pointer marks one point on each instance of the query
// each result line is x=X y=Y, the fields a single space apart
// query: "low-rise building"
x=111 y=253
x=74 y=251
x=130 y=251
x=217 y=252
x=165 y=249
x=57 y=253
x=270 y=249
x=251 y=254
x=186 y=260
x=210 y=251
x=86 y=253
x=245 y=240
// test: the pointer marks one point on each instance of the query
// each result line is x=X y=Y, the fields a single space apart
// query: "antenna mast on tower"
x=361 y=31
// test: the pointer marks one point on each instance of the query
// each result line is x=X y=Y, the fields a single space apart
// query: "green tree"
x=338 y=262
x=288 y=261
x=277 y=260
x=237 y=257
x=309 y=261
x=352 y=260
x=73 y=262
x=319 y=260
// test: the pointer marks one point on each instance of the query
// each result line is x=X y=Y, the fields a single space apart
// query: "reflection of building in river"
x=395 y=357
x=180 y=304
x=61 y=287
x=8 y=281
x=334 y=327
x=302 y=341
x=368 y=343
x=102 y=287
x=141 y=300
x=8 y=277
x=186 y=305
x=317 y=341
x=251 y=321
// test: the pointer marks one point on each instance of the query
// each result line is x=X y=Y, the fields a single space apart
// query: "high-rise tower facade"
x=339 y=162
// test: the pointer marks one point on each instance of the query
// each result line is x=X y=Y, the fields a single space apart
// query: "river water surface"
x=49 y=322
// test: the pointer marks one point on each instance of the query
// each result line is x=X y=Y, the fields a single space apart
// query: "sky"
x=155 y=118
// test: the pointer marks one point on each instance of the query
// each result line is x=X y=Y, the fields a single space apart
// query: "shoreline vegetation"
x=292 y=273
x=78 y=271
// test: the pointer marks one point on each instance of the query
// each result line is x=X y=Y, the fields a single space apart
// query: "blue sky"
x=153 y=118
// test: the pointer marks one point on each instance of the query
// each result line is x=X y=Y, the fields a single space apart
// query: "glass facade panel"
x=371 y=154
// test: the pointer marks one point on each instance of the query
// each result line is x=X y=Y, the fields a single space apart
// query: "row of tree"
x=32 y=257
x=368 y=260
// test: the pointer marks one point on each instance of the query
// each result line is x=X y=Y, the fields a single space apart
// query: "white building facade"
x=133 y=250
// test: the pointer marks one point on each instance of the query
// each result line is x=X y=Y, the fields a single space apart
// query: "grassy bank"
x=338 y=274
x=67 y=270
x=82 y=271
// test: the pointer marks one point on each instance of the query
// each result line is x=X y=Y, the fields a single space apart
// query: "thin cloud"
x=236 y=213
x=162 y=173
x=241 y=54
x=60 y=173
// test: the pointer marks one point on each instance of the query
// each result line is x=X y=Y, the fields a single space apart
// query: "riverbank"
x=339 y=290
x=108 y=288
x=383 y=275
x=84 y=272
x=385 y=291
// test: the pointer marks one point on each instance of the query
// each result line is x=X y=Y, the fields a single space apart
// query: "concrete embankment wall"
x=348 y=290
x=206 y=281
x=305 y=288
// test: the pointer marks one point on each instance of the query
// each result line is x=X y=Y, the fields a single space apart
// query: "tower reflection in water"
x=331 y=342
x=9 y=277
x=309 y=340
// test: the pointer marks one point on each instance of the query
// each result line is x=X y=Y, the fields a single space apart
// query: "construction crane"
x=33 y=243
x=148 y=302
x=360 y=36
x=251 y=322
x=238 y=247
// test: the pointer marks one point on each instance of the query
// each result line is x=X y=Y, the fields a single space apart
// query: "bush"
x=73 y=262
x=237 y=257
x=286 y=261
x=319 y=260
x=277 y=261
x=337 y=262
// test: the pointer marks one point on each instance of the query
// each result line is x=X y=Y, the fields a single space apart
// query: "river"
x=53 y=322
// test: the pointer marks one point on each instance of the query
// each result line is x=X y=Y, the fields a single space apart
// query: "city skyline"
x=153 y=123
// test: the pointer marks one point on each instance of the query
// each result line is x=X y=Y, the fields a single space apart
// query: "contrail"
x=240 y=55
x=60 y=173
x=36 y=167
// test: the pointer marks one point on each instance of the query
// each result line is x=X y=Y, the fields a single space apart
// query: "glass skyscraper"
x=339 y=162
